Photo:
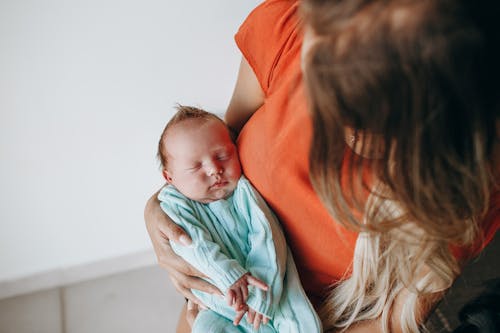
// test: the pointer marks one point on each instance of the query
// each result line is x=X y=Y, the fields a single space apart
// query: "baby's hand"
x=237 y=294
x=253 y=317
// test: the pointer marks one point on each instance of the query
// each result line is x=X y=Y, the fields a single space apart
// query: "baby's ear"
x=166 y=175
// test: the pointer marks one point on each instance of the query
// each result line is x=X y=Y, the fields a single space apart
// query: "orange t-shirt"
x=274 y=148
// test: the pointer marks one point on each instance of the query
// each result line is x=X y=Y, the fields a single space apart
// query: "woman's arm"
x=161 y=229
x=247 y=97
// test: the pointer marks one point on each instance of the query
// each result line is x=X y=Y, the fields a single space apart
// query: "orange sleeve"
x=264 y=35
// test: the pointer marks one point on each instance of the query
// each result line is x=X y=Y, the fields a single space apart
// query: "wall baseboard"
x=70 y=275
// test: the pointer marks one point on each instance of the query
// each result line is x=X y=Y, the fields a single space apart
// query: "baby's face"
x=203 y=162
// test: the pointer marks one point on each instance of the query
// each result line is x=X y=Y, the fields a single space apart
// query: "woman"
x=402 y=139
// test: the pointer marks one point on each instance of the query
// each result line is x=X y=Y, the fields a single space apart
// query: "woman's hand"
x=161 y=230
x=191 y=312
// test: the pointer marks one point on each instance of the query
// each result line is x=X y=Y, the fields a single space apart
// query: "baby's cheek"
x=237 y=169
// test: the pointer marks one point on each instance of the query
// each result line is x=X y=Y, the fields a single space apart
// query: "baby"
x=236 y=239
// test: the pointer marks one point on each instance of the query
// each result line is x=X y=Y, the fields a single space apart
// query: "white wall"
x=85 y=90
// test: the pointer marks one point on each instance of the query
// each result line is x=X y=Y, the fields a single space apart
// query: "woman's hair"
x=183 y=113
x=422 y=77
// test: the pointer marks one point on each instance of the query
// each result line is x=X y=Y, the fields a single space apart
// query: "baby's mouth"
x=218 y=184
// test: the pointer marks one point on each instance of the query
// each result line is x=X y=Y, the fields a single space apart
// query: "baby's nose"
x=215 y=169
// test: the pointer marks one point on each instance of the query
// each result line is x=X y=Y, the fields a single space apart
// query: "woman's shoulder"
x=271 y=10
x=267 y=35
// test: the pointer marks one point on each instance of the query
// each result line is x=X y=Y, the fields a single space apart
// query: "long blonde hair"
x=423 y=76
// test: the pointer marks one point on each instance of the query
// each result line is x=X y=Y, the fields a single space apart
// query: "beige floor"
x=134 y=302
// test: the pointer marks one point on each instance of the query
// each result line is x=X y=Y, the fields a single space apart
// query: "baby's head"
x=198 y=156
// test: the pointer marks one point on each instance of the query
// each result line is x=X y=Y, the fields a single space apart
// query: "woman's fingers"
x=175 y=233
x=252 y=280
x=161 y=230
x=169 y=260
x=160 y=226
x=184 y=277
x=184 y=283
x=182 y=274
x=192 y=312
x=186 y=293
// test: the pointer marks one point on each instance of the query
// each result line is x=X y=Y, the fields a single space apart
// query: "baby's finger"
x=244 y=293
x=239 y=316
x=256 y=282
x=257 y=320
x=265 y=320
x=250 y=316
x=238 y=300
x=230 y=298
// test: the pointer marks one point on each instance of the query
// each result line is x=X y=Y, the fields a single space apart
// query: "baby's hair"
x=183 y=113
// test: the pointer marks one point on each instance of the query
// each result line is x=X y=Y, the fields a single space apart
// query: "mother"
x=396 y=104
